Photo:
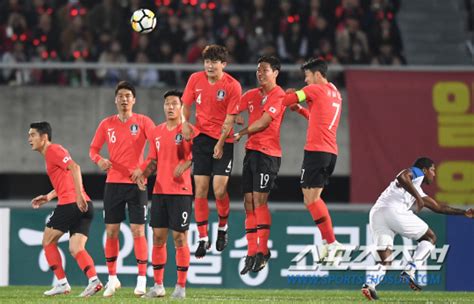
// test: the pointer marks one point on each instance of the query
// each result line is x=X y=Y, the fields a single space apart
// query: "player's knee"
x=429 y=236
x=47 y=241
x=137 y=230
x=219 y=192
x=75 y=249
x=248 y=205
x=159 y=240
x=180 y=239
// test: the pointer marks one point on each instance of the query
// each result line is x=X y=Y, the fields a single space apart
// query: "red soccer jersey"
x=169 y=148
x=268 y=140
x=57 y=159
x=213 y=101
x=324 y=103
x=125 y=142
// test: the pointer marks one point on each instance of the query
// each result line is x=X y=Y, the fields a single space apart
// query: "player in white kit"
x=394 y=213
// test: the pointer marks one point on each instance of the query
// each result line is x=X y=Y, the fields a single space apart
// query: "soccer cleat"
x=179 y=292
x=157 y=291
x=91 y=289
x=261 y=261
x=111 y=286
x=369 y=292
x=326 y=252
x=249 y=264
x=64 y=288
x=409 y=277
x=202 y=249
x=222 y=240
x=140 y=289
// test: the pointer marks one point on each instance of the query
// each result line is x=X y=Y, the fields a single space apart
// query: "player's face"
x=172 y=108
x=214 y=68
x=429 y=174
x=35 y=140
x=124 y=100
x=265 y=74
x=309 y=77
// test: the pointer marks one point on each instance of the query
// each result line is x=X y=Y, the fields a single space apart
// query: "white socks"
x=374 y=277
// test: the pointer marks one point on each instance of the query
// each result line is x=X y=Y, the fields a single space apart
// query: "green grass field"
x=33 y=294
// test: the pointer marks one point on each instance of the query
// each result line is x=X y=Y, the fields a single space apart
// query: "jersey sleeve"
x=152 y=151
x=273 y=106
x=234 y=99
x=60 y=157
x=243 y=104
x=188 y=94
x=97 y=143
x=312 y=92
x=149 y=126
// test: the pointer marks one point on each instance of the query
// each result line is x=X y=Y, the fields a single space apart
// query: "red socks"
x=201 y=215
x=141 y=253
x=54 y=260
x=158 y=260
x=86 y=263
x=251 y=232
x=182 y=264
x=264 y=220
x=320 y=214
x=223 y=206
x=111 y=253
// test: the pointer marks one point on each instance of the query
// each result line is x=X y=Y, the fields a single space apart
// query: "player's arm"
x=40 y=200
x=444 y=208
x=149 y=126
x=300 y=110
x=293 y=97
x=77 y=178
x=188 y=100
x=95 y=147
x=225 y=130
x=405 y=181
x=181 y=167
x=257 y=126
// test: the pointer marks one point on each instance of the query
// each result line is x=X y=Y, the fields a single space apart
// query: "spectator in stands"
x=16 y=76
x=75 y=30
x=386 y=56
x=112 y=55
x=293 y=46
x=347 y=37
x=146 y=78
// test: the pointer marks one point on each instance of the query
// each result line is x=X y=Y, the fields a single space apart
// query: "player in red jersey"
x=217 y=96
x=126 y=135
x=171 y=206
x=262 y=158
x=73 y=213
x=320 y=152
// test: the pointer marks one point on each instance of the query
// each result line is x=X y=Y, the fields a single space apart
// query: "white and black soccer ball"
x=143 y=21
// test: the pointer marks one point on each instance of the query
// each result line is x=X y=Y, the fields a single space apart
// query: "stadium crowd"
x=342 y=31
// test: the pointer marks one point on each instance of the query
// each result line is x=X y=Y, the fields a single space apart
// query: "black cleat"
x=406 y=277
x=202 y=249
x=261 y=261
x=249 y=263
x=222 y=240
x=369 y=292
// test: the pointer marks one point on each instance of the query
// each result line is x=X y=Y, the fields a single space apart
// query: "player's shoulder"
x=228 y=79
x=56 y=148
x=278 y=91
x=251 y=92
x=109 y=119
x=198 y=76
x=142 y=117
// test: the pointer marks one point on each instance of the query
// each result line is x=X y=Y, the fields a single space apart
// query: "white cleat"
x=140 y=289
x=64 y=288
x=91 y=289
x=179 y=292
x=157 y=291
x=112 y=286
x=331 y=253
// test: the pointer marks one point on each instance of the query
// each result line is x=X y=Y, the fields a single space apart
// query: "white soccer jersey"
x=394 y=196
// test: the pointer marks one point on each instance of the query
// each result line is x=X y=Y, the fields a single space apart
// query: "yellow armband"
x=301 y=95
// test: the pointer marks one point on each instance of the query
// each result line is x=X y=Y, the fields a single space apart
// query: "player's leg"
x=137 y=201
x=79 y=232
x=179 y=212
x=114 y=214
x=203 y=148
x=159 y=223
x=315 y=172
x=53 y=257
x=250 y=232
x=221 y=169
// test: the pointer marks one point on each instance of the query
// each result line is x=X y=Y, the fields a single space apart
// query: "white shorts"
x=387 y=222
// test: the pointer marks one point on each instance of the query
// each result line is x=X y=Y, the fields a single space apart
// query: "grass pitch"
x=34 y=294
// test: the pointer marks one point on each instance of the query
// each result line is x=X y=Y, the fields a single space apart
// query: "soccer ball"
x=143 y=21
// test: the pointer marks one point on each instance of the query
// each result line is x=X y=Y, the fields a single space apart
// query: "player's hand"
x=469 y=213
x=179 y=170
x=104 y=164
x=218 y=151
x=137 y=173
x=187 y=131
x=239 y=119
x=295 y=107
x=141 y=183
x=82 y=203
x=237 y=137
x=39 y=201
x=290 y=90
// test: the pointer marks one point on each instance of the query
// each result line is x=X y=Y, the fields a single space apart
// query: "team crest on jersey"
x=220 y=95
x=264 y=100
x=134 y=129
x=178 y=139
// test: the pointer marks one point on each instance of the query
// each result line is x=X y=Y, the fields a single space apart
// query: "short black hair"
x=43 y=127
x=316 y=65
x=423 y=163
x=215 y=52
x=273 y=61
x=173 y=92
x=125 y=85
